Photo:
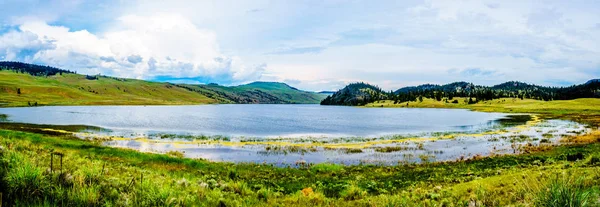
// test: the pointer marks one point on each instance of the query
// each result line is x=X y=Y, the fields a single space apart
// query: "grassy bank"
x=93 y=175
x=585 y=110
x=581 y=106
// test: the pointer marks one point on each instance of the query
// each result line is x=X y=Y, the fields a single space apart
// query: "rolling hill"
x=256 y=92
x=355 y=94
x=24 y=84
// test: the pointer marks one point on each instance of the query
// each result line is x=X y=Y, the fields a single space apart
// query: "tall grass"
x=562 y=191
x=94 y=175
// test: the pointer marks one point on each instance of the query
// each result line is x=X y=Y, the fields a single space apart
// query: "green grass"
x=98 y=175
x=565 y=191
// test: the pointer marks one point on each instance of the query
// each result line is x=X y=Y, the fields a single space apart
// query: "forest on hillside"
x=32 y=69
x=357 y=94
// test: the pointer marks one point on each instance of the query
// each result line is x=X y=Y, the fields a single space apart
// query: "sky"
x=311 y=45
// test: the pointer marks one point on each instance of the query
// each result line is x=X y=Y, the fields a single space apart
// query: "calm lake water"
x=286 y=135
x=258 y=120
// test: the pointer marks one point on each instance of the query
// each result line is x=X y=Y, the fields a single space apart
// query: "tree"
x=18 y=90
x=471 y=101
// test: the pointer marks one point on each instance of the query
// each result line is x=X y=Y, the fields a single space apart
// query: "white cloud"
x=136 y=47
x=319 y=45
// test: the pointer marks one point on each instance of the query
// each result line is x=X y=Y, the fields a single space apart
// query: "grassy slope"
x=72 y=89
x=282 y=90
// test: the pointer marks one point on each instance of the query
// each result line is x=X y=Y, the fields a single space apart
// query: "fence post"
x=51 y=161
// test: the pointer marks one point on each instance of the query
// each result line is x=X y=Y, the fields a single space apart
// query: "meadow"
x=94 y=175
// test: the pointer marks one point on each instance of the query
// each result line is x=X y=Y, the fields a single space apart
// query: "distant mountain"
x=23 y=84
x=351 y=94
x=355 y=94
x=456 y=86
x=326 y=93
x=593 y=81
x=256 y=92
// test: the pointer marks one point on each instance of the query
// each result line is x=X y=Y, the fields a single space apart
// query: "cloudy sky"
x=312 y=45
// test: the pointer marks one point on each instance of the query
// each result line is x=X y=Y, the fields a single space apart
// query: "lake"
x=258 y=120
x=287 y=135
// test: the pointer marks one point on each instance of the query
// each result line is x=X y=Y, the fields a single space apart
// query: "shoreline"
x=99 y=175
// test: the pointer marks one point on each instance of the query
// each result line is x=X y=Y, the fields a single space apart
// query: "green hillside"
x=356 y=94
x=19 y=86
x=73 y=89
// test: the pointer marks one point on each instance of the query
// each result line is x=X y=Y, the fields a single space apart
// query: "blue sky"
x=312 y=45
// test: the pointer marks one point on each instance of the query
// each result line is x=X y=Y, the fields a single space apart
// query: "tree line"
x=363 y=93
x=31 y=69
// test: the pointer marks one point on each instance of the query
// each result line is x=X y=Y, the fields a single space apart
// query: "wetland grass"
x=98 y=175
